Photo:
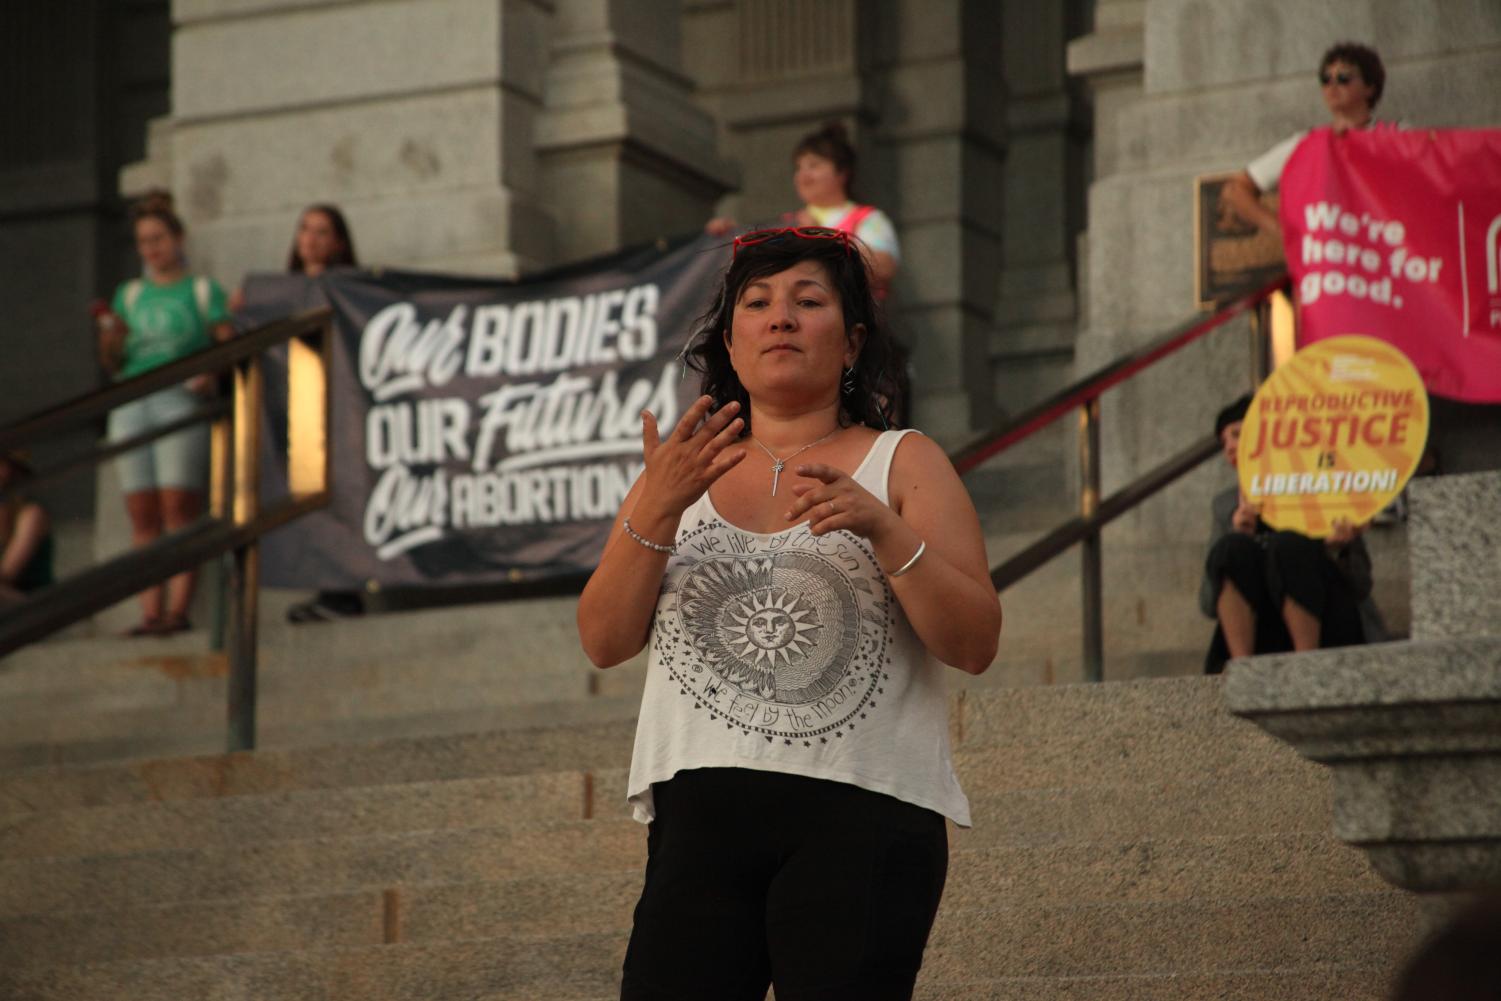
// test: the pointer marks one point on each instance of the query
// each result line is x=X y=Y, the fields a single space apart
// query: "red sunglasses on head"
x=805 y=232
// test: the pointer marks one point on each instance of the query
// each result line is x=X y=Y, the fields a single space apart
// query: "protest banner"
x=483 y=430
x=1333 y=434
x=1396 y=233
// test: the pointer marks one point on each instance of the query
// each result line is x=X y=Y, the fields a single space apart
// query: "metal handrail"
x=236 y=520
x=1094 y=514
x=1040 y=415
x=213 y=360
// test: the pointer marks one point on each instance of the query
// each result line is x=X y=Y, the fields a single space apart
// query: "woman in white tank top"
x=801 y=572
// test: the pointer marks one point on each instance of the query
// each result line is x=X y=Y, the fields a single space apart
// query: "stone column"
x=918 y=87
x=1032 y=345
x=626 y=155
x=771 y=71
x=939 y=140
x=415 y=117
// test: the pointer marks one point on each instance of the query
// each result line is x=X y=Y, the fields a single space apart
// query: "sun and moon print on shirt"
x=785 y=637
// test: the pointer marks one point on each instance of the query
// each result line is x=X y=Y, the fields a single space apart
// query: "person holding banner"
x=797 y=575
x=159 y=318
x=824 y=176
x=1352 y=78
x=323 y=241
x=1271 y=591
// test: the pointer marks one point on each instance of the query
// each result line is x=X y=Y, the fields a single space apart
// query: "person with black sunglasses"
x=1352 y=78
x=799 y=571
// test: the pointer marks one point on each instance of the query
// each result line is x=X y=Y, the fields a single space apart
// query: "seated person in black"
x=25 y=534
x=1271 y=591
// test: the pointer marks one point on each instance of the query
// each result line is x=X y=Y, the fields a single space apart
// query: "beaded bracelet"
x=654 y=546
x=921 y=546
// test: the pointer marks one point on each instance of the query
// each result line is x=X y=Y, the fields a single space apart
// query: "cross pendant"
x=776 y=474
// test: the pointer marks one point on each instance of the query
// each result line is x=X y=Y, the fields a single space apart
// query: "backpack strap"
x=132 y=293
x=852 y=220
x=202 y=294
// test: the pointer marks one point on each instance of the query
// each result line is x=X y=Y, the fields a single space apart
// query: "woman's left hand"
x=1343 y=532
x=835 y=502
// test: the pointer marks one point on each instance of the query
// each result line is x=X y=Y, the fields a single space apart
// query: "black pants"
x=1270 y=568
x=756 y=877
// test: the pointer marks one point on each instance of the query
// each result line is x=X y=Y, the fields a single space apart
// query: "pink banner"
x=1396 y=233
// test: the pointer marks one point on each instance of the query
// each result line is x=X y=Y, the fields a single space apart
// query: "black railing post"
x=1261 y=343
x=245 y=576
x=1091 y=576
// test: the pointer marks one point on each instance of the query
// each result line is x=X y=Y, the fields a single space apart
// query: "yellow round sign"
x=1335 y=433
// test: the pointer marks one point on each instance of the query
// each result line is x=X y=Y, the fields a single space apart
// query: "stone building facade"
x=1037 y=157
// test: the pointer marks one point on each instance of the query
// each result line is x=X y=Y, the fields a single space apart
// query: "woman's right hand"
x=681 y=467
x=111 y=332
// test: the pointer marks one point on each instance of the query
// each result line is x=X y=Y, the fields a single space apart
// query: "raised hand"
x=835 y=502
x=681 y=467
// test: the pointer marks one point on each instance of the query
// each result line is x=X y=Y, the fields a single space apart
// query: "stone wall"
x=920 y=88
x=1184 y=87
x=81 y=79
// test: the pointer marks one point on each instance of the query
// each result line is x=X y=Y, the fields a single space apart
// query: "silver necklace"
x=778 y=464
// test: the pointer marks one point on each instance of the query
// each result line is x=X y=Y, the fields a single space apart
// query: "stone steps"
x=553 y=904
x=521 y=969
x=323 y=865
x=1297 y=803
x=509 y=801
x=359 y=690
x=1130 y=839
x=1173 y=724
x=1313 y=983
x=1182 y=937
x=507 y=751
x=1210 y=940
x=1150 y=868
x=1244 y=868
x=157 y=734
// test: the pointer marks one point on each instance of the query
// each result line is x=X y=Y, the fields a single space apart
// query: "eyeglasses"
x=805 y=232
x=1325 y=79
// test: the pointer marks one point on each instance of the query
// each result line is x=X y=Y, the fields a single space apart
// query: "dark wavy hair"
x=1363 y=58
x=832 y=142
x=872 y=394
x=344 y=258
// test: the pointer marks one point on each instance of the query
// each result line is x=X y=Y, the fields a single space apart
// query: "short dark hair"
x=345 y=256
x=1234 y=412
x=874 y=393
x=832 y=143
x=1363 y=58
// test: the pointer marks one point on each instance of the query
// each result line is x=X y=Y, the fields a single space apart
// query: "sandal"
x=169 y=624
x=146 y=627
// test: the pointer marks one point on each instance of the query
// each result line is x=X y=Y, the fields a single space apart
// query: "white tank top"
x=787 y=652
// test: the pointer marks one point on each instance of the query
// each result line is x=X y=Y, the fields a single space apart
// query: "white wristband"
x=921 y=546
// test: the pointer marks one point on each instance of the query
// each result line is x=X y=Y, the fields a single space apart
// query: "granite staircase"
x=437 y=812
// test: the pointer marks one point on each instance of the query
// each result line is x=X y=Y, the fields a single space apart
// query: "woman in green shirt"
x=158 y=318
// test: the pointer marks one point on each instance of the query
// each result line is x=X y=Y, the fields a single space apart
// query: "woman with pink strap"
x=824 y=176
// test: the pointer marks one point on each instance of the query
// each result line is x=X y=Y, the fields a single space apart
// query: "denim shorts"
x=177 y=462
